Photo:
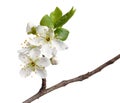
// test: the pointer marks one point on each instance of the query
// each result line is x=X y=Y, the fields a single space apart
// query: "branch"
x=44 y=91
x=43 y=85
x=36 y=96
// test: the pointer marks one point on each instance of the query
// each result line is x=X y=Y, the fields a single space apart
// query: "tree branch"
x=44 y=91
x=43 y=85
x=36 y=96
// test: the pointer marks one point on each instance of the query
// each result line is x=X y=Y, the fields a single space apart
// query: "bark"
x=45 y=90
x=37 y=95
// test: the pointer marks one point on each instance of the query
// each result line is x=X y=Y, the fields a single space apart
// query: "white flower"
x=30 y=49
x=34 y=63
x=46 y=40
x=33 y=47
x=49 y=44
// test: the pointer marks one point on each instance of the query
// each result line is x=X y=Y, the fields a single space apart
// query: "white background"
x=94 y=38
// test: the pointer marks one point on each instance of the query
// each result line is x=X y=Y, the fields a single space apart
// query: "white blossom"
x=40 y=51
x=46 y=36
x=33 y=63
x=30 y=49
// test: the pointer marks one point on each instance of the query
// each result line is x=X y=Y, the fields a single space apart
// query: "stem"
x=44 y=91
x=37 y=95
x=43 y=85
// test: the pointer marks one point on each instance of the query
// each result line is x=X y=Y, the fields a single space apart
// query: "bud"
x=54 y=60
x=31 y=29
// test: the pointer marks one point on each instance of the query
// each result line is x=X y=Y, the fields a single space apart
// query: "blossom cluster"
x=39 y=51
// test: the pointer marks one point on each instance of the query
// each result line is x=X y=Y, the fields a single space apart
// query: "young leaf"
x=46 y=21
x=64 y=18
x=61 y=33
x=56 y=14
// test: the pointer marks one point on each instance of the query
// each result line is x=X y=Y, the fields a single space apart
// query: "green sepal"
x=46 y=21
x=64 y=18
x=61 y=33
x=55 y=15
x=33 y=31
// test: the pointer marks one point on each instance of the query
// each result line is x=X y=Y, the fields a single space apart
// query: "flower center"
x=47 y=38
x=32 y=64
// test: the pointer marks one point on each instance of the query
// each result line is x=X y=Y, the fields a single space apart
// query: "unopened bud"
x=54 y=61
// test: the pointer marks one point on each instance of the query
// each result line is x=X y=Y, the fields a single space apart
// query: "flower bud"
x=54 y=60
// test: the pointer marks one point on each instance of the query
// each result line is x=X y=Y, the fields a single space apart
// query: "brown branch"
x=43 y=85
x=44 y=91
x=36 y=96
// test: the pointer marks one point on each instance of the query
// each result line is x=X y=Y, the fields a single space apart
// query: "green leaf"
x=64 y=18
x=61 y=33
x=56 y=14
x=46 y=21
x=33 y=31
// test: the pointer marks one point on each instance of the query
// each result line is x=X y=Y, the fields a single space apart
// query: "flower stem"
x=43 y=87
x=37 y=95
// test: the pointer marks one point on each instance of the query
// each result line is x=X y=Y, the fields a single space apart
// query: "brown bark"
x=36 y=96
x=44 y=91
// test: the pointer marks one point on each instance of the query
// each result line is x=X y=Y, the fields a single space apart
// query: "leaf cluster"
x=56 y=20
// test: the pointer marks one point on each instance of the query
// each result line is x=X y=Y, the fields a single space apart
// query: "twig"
x=44 y=91
x=43 y=87
x=41 y=91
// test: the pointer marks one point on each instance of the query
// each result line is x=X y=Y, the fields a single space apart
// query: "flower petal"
x=50 y=33
x=34 y=53
x=60 y=45
x=47 y=51
x=54 y=51
x=43 y=62
x=37 y=41
x=29 y=26
x=25 y=72
x=24 y=58
x=41 y=72
x=42 y=30
x=24 y=50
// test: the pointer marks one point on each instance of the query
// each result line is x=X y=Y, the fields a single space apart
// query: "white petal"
x=24 y=50
x=59 y=44
x=29 y=26
x=47 y=51
x=42 y=30
x=50 y=33
x=54 y=51
x=34 y=53
x=37 y=41
x=25 y=72
x=43 y=62
x=41 y=72
x=24 y=58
